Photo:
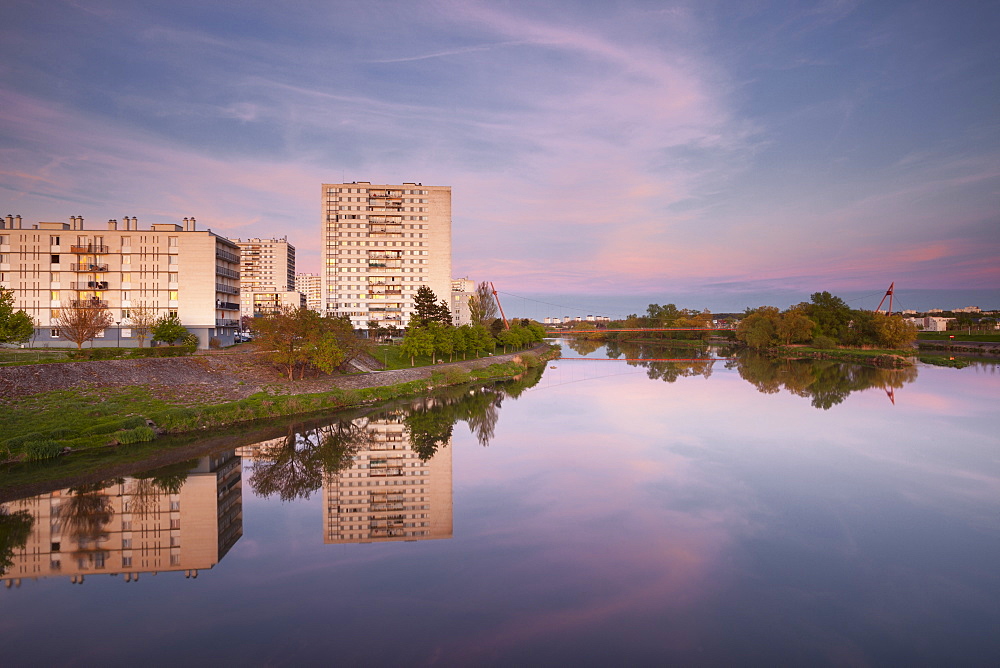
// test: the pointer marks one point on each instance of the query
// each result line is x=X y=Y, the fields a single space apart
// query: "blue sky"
x=592 y=147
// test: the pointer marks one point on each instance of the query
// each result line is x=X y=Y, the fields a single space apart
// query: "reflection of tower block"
x=134 y=526
x=389 y=493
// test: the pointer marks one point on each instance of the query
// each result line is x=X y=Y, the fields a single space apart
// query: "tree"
x=426 y=307
x=168 y=329
x=759 y=328
x=417 y=342
x=831 y=314
x=893 y=331
x=299 y=338
x=82 y=322
x=794 y=326
x=15 y=326
x=142 y=319
x=482 y=306
x=443 y=341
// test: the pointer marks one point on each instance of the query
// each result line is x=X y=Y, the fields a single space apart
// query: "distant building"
x=170 y=268
x=380 y=244
x=311 y=285
x=260 y=303
x=267 y=275
x=462 y=290
x=930 y=323
x=967 y=309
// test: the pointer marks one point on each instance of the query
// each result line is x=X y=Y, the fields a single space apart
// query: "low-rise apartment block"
x=167 y=267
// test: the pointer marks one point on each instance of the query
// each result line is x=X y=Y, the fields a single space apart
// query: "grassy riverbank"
x=49 y=424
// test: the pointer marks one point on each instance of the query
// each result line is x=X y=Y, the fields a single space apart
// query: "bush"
x=215 y=343
x=530 y=360
x=455 y=376
x=823 y=342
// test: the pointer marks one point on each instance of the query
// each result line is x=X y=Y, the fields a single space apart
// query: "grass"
x=44 y=425
x=885 y=357
x=394 y=358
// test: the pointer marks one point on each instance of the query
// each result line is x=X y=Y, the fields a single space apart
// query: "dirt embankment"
x=203 y=378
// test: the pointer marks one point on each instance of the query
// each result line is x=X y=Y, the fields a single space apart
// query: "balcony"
x=227 y=289
x=88 y=285
x=228 y=273
x=92 y=302
x=88 y=267
x=88 y=249
x=227 y=322
x=388 y=292
x=227 y=256
x=227 y=306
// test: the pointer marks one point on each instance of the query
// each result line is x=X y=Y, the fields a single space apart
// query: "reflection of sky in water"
x=615 y=518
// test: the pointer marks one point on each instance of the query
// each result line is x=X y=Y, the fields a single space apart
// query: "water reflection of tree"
x=295 y=467
x=582 y=345
x=826 y=383
x=85 y=513
x=690 y=361
x=15 y=529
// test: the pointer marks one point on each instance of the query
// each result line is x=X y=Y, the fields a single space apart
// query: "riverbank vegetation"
x=49 y=424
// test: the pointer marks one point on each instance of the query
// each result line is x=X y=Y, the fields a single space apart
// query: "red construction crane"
x=506 y=325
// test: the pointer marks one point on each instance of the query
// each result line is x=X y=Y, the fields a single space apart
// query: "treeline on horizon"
x=825 y=321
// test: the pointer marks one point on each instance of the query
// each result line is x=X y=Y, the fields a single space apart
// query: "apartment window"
x=126 y=241
x=126 y=543
x=172 y=259
x=172 y=312
x=127 y=259
x=53 y=241
x=54 y=259
x=172 y=242
x=127 y=562
x=54 y=295
x=173 y=295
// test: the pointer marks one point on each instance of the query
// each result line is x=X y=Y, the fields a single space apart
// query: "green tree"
x=759 y=329
x=893 y=331
x=831 y=314
x=15 y=326
x=444 y=344
x=417 y=342
x=427 y=309
x=794 y=326
x=168 y=329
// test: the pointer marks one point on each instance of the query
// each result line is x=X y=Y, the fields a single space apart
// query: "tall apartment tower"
x=267 y=275
x=170 y=268
x=381 y=243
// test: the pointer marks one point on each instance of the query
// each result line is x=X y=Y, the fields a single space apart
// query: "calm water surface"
x=607 y=512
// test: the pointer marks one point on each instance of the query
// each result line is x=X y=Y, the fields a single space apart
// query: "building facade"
x=267 y=275
x=311 y=285
x=381 y=243
x=169 y=268
x=462 y=290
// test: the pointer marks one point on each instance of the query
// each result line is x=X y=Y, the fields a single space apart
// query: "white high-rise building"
x=267 y=276
x=381 y=243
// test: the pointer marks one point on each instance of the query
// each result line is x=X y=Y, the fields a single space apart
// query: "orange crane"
x=506 y=325
x=888 y=293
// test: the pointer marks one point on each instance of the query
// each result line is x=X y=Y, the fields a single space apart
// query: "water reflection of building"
x=389 y=493
x=134 y=525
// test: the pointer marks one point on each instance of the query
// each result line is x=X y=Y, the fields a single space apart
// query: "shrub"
x=456 y=376
x=530 y=360
x=823 y=342
x=215 y=343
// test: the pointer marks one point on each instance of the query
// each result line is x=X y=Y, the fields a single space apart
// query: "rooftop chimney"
x=113 y=224
x=17 y=221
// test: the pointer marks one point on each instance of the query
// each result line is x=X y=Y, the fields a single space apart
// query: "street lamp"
x=118 y=334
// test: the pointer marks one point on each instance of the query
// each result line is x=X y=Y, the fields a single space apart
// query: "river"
x=708 y=511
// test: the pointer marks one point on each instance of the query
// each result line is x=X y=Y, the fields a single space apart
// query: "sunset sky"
x=592 y=147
